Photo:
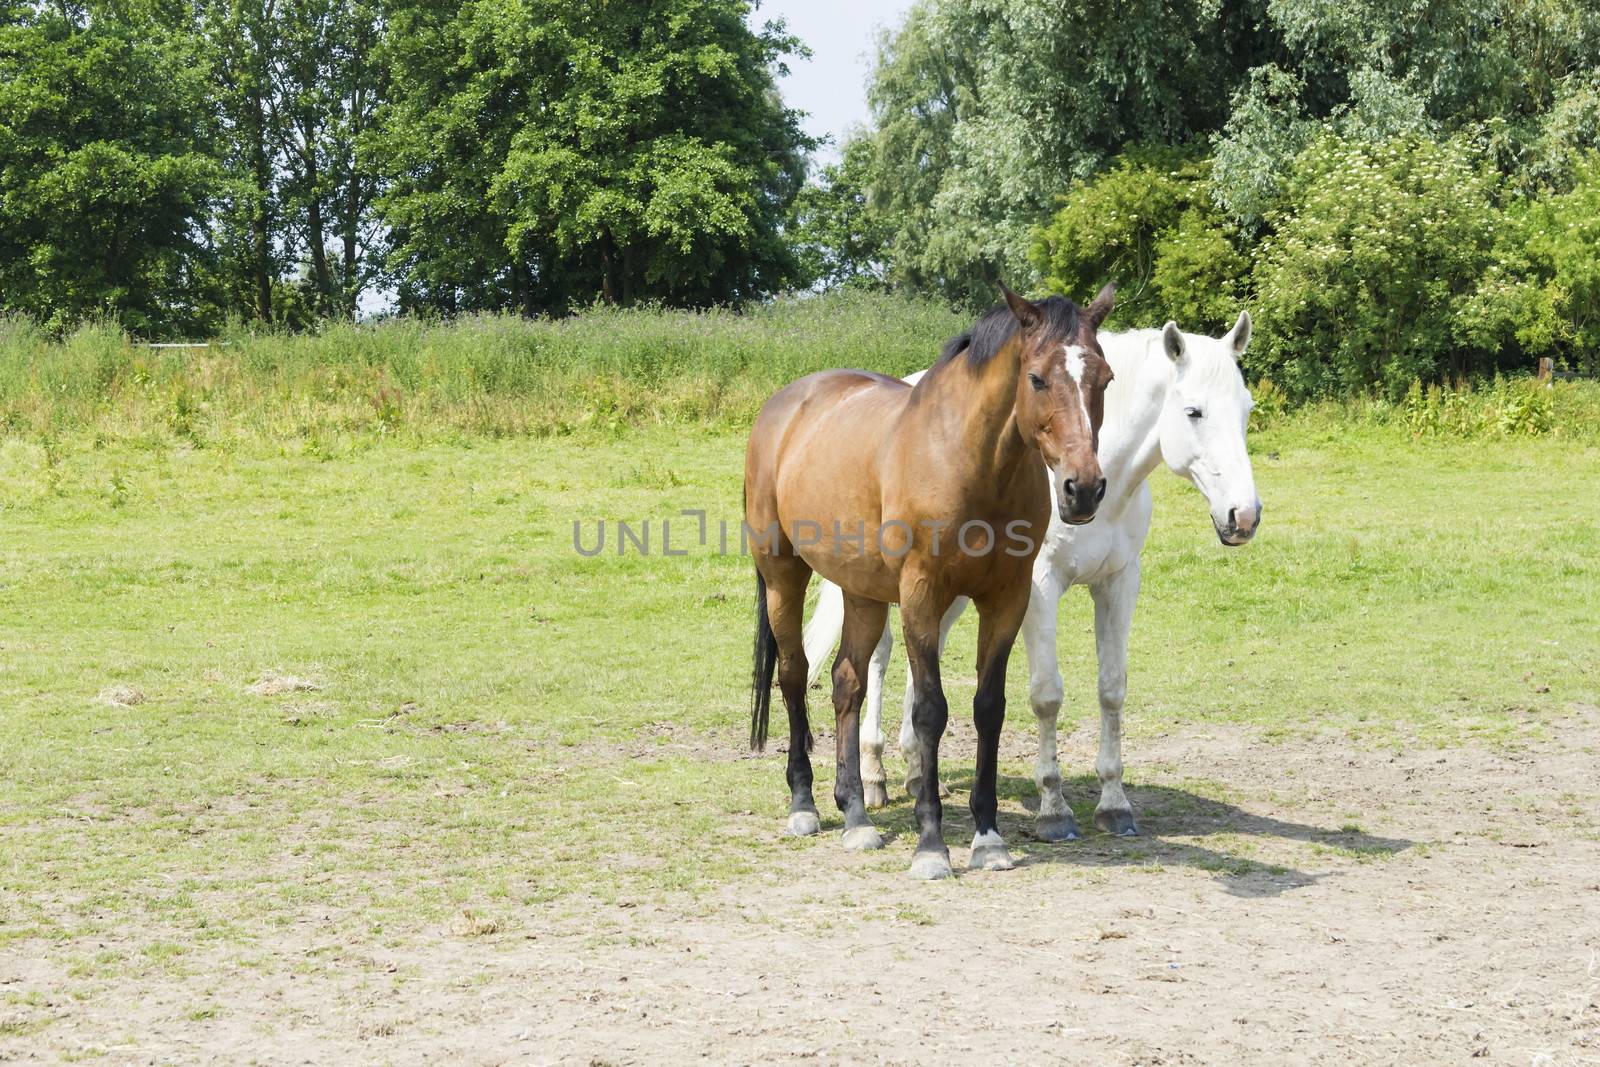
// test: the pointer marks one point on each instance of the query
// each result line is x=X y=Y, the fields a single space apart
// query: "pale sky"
x=831 y=85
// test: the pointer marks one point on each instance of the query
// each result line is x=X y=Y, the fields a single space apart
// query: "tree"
x=1541 y=293
x=1516 y=75
x=107 y=166
x=920 y=90
x=840 y=234
x=242 y=36
x=1147 y=222
x=545 y=154
x=986 y=109
x=325 y=89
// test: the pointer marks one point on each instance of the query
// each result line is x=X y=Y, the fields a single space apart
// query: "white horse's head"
x=1203 y=423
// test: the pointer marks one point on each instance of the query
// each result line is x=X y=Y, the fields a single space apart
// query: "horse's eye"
x=1193 y=413
x=1037 y=382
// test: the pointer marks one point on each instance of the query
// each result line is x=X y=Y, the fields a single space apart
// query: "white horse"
x=1177 y=398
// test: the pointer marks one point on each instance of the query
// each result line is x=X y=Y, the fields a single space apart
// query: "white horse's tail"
x=822 y=632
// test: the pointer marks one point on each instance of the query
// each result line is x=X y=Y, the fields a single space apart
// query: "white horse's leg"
x=822 y=632
x=908 y=740
x=1045 y=692
x=1113 y=614
x=908 y=737
x=874 y=782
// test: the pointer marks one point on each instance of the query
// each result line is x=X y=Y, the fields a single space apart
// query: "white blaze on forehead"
x=1074 y=354
x=1074 y=361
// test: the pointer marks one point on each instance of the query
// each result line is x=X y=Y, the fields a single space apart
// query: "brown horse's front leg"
x=863 y=626
x=999 y=619
x=920 y=614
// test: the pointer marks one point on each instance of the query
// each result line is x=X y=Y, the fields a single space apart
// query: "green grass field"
x=293 y=638
x=499 y=724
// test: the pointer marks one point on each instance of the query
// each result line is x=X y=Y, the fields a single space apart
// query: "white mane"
x=1127 y=353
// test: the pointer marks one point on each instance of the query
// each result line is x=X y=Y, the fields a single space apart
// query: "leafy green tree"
x=1541 y=294
x=985 y=109
x=840 y=234
x=1148 y=224
x=1201 y=278
x=242 y=38
x=107 y=166
x=1370 y=70
x=921 y=89
x=1264 y=133
x=1564 y=135
x=546 y=154
x=1563 y=246
x=449 y=117
x=325 y=88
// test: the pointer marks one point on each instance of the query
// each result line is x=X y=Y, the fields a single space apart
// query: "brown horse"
x=917 y=496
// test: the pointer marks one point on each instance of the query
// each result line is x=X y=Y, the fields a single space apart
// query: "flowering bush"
x=1384 y=262
x=1370 y=267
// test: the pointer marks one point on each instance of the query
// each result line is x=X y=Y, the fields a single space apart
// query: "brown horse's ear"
x=1026 y=314
x=1100 y=306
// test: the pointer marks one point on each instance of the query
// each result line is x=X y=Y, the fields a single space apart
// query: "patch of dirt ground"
x=1314 y=904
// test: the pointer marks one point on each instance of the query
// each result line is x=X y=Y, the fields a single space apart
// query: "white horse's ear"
x=1172 y=341
x=1238 y=338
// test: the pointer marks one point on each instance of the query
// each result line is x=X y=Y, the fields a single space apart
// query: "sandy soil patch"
x=1339 y=906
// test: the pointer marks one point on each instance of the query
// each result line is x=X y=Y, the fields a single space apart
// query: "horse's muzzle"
x=1240 y=527
x=1079 y=501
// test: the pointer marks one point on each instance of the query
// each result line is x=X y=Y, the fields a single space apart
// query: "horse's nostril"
x=1071 y=488
x=1100 y=493
x=1233 y=516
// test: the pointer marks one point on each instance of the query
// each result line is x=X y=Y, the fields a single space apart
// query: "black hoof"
x=1056 y=828
x=1116 y=823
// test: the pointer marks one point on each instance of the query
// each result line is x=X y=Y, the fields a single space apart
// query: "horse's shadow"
x=1163 y=813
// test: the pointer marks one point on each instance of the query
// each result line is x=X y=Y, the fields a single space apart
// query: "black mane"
x=997 y=326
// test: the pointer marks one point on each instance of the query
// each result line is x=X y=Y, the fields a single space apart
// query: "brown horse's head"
x=1061 y=394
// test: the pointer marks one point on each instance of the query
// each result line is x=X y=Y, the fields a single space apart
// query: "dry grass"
x=121 y=696
x=272 y=685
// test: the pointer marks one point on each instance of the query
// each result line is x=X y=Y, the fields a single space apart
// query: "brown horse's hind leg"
x=863 y=627
x=786 y=577
x=999 y=619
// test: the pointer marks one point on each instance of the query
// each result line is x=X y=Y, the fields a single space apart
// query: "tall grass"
x=1499 y=407
x=603 y=370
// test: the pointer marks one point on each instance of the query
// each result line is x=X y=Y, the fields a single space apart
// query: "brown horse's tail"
x=766 y=661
